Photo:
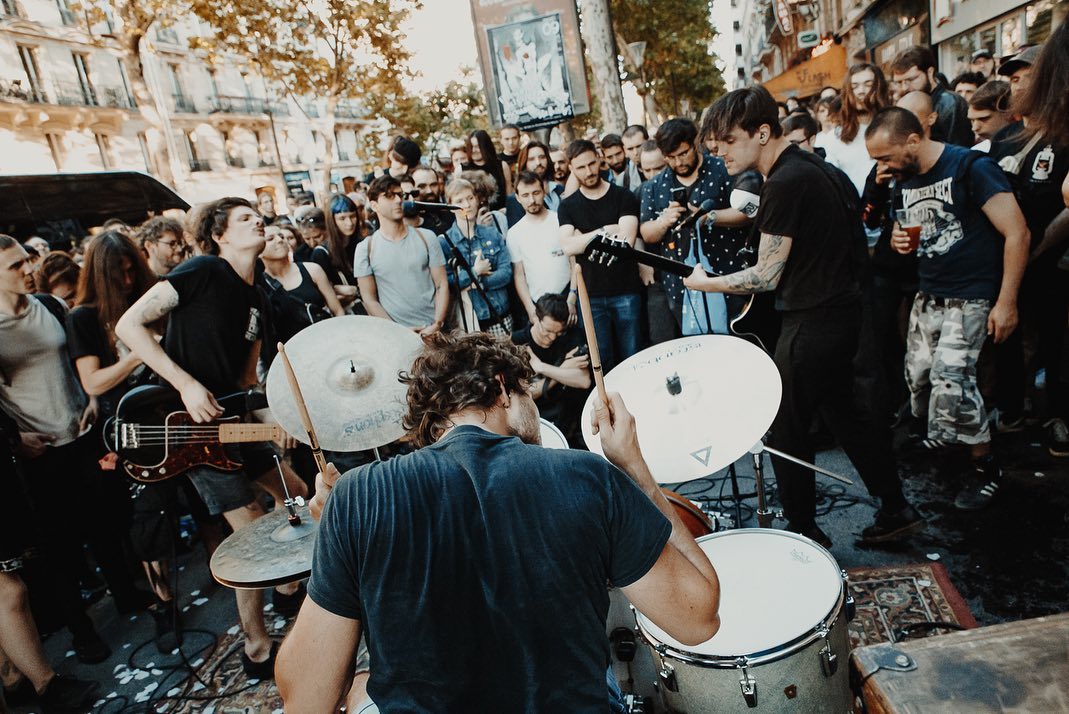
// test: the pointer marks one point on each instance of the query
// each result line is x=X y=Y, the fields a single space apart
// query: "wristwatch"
x=710 y=219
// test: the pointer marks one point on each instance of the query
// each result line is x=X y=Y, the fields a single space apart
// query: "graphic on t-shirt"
x=929 y=205
x=252 y=330
x=1043 y=166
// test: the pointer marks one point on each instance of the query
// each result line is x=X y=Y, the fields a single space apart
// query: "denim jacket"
x=493 y=248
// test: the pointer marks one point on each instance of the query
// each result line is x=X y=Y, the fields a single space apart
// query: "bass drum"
x=782 y=644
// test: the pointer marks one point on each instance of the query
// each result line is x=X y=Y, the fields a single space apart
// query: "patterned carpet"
x=890 y=598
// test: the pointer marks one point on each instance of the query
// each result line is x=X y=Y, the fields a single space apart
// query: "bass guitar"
x=756 y=321
x=156 y=439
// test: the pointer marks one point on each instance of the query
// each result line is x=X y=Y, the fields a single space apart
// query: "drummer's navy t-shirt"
x=478 y=567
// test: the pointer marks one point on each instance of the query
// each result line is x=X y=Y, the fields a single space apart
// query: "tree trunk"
x=328 y=146
x=598 y=38
x=155 y=132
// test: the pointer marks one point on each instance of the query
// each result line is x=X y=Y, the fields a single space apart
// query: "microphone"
x=414 y=205
x=707 y=206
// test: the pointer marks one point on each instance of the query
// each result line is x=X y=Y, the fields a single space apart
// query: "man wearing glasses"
x=401 y=269
x=667 y=199
x=161 y=241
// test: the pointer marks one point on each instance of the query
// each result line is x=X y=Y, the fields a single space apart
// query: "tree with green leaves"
x=679 y=66
x=333 y=50
x=452 y=111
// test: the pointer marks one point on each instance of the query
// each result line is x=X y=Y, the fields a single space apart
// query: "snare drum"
x=782 y=644
x=552 y=438
x=692 y=516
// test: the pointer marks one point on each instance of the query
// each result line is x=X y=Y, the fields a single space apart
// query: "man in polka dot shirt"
x=693 y=178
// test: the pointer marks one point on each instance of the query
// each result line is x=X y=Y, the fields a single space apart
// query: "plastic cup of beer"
x=912 y=226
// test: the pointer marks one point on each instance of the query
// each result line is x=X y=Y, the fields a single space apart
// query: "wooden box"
x=1014 y=667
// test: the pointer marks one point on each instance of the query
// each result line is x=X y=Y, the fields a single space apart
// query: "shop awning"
x=811 y=76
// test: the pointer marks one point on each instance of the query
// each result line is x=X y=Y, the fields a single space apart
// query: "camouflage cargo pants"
x=944 y=341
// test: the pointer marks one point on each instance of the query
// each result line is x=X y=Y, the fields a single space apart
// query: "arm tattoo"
x=158 y=302
x=765 y=276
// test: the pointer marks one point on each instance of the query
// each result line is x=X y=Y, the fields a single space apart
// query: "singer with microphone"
x=694 y=190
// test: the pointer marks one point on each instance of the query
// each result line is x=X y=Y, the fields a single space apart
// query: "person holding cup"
x=972 y=246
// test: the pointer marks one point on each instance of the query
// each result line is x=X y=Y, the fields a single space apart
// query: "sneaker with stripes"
x=980 y=493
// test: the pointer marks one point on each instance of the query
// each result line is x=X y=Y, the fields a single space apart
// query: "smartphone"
x=679 y=195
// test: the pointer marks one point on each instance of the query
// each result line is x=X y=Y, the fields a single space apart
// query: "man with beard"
x=624 y=171
x=913 y=70
x=452 y=621
x=426 y=184
x=161 y=240
x=694 y=178
x=811 y=253
x=973 y=246
x=615 y=290
x=539 y=265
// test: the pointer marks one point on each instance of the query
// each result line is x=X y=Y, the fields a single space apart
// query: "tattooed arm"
x=133 y=329
x=761 y=278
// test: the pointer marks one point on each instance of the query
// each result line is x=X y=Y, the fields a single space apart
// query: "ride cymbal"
x=699 y=403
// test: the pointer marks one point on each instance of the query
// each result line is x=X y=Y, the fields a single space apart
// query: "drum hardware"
x=829 y=661
x=747 y=683
x=892 y=659
x=624 y=644
x=668 y=678
x=290 y=502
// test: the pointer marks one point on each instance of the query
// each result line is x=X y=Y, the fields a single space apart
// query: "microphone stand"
x=463 y=263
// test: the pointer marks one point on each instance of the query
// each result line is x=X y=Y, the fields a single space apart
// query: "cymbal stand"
x=764 y=515
x=290 y=502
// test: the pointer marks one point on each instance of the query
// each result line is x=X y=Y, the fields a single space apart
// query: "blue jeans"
x=618 y=321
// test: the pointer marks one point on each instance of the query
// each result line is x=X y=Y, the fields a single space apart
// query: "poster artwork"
x=530 y=72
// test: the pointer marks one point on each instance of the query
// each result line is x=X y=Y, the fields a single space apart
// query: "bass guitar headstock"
x=605 y=249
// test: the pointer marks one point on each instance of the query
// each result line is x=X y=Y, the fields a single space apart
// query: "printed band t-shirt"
x=219 y=318
x=960 y=251
x=585 y=215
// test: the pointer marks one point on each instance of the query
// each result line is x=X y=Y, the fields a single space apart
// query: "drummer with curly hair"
x=476 y=567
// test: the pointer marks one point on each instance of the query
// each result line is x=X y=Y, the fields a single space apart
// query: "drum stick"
x=591 y=337
x=317 y=453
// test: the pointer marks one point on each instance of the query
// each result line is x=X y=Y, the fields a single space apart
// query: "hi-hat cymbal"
x=347 y=370
x=268 y=551
x=728 y=392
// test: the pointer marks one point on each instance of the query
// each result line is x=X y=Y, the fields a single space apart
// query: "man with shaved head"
x=922 y=107
x=972 y=250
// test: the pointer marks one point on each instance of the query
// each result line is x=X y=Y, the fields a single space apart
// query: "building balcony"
x=237 y=105
x=343 y=156
x=182 y=104
x=235 y=162
x=266 y=162
x=69 y=17
x=68 y=95
x=348 y=111
x=200 y=165
x=312 y=111
x=279 y=109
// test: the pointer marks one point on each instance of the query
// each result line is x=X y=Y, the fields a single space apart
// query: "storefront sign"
x=783 y=17
x=808 y=78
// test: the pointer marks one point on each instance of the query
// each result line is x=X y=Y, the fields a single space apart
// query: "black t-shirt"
x=585 y=215
x=219 y=318
x=802 y=201
x=478 y=568
x=1038 y=182
x=556 y=352
x=86 y=338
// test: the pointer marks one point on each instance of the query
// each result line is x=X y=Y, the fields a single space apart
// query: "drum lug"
x=850 y=608
x=829 y=662
x=668 y=676
x=747 y=683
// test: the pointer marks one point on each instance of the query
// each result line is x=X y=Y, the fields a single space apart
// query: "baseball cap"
x=1024 y=58
x=982 y=54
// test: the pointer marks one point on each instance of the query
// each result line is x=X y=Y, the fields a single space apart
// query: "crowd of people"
x=912 y=233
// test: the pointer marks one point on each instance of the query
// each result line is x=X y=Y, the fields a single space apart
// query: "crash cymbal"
x=268 y=551
x=347 y=370
x=727 y=394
